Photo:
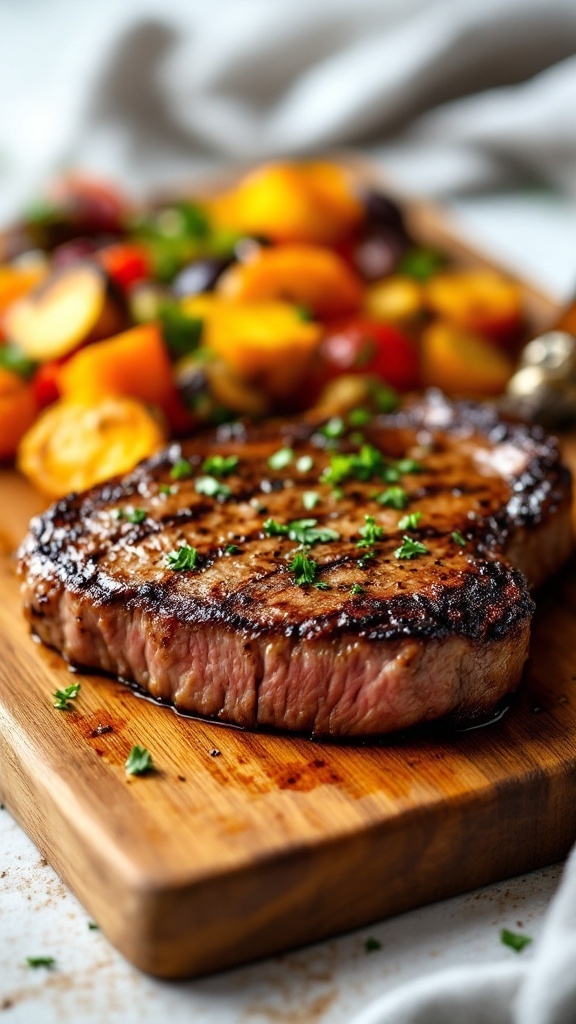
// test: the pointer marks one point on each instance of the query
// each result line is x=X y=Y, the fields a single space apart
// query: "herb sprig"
x=410 y=548
x=184 y=558
x=139 y=761
x=65 y=696
x=302 y=531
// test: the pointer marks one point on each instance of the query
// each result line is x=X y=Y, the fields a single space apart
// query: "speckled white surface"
x=325 y=984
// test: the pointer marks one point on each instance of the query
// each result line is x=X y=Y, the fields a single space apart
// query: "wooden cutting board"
x=241 y=845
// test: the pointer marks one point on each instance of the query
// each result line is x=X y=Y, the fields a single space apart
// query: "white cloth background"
x=453 y=95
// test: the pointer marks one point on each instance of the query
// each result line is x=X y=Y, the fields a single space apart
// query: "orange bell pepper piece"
x=265 y=342
x=17 y=412
x=481 y=301
x=132 y=363
x=287 y=202
x=306 y=275
x=462 y=363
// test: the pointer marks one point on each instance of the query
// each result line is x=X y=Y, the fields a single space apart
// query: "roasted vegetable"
x=132 y=363
x=308 y=275
x=460 y=362
x=74 y=445
x=17 y=412
x=289 y=202
x=396 y=299
x=69 y=307
x=481 y=301
x=267 y=343
x=17 y=280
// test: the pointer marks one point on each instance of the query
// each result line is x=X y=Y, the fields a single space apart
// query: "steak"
x=295 y=575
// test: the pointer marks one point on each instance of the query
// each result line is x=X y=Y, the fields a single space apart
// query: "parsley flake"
x=366 y=559
x=386 y=399
x=371 y=944
x=370 y=533
x=392 y=497
x=357 y=438
x=410 y=521
x=322 y=586
x=514 y=940
x=220 y=465
x=93 y=927
x=303 y=531
x=310 y=499
x=41 y=961
x=304 y=464
x=210 y=487
x=181 y=470
x=363 y=465
x=182 y=559
x=304 y=569
x=356 y=589
x=231 y=549
x=139 y=761
x=136 y=515
x=334 y=428
x=458 y=538
x=410 y=548
x=390 y=474
x=118 y=513
x=406 y=466
x=359 y=417
x=167 y=489
x=63 y=697
x=280 y=459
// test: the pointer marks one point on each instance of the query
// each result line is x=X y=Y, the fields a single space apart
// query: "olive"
x=200 y=276
x=382 y=212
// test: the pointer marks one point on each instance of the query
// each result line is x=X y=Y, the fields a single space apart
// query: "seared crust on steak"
x=237 y=639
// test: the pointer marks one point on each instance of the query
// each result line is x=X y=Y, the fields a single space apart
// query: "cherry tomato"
x=127 y=263
x=45 y=383
x=361 y=345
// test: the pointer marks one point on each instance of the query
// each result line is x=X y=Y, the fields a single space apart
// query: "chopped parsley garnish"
x=410 y=548
x=362 y=465
x=139 y=761
x=181 y=470
x=303 y=531
x=310 y=499
x=356 y=589
x=386 y=399
x=40 y=961
x=231 y=549
x=167 y=489
x=514 y=940
x=210 y=487
x=304 y=569
x=280 y=459
x=220 y=465
x=337 y=493
x=93 y=927
x=458 y=538
x=359 y=417
x=408 y=466
x=371 y=944
x=370 y=533
x=304 y=464
x=182 y=559
x=63 y=697
x=390 y=474
x=136 y=515
x=118 y=513
x=322 y=586
x=272 y=528
x=334 y=428
x=393 y=497
x=410 y=521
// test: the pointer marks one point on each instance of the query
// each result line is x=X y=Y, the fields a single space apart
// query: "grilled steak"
x=266 y=575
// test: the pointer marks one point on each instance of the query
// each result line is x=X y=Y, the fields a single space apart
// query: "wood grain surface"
x=240 y=845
